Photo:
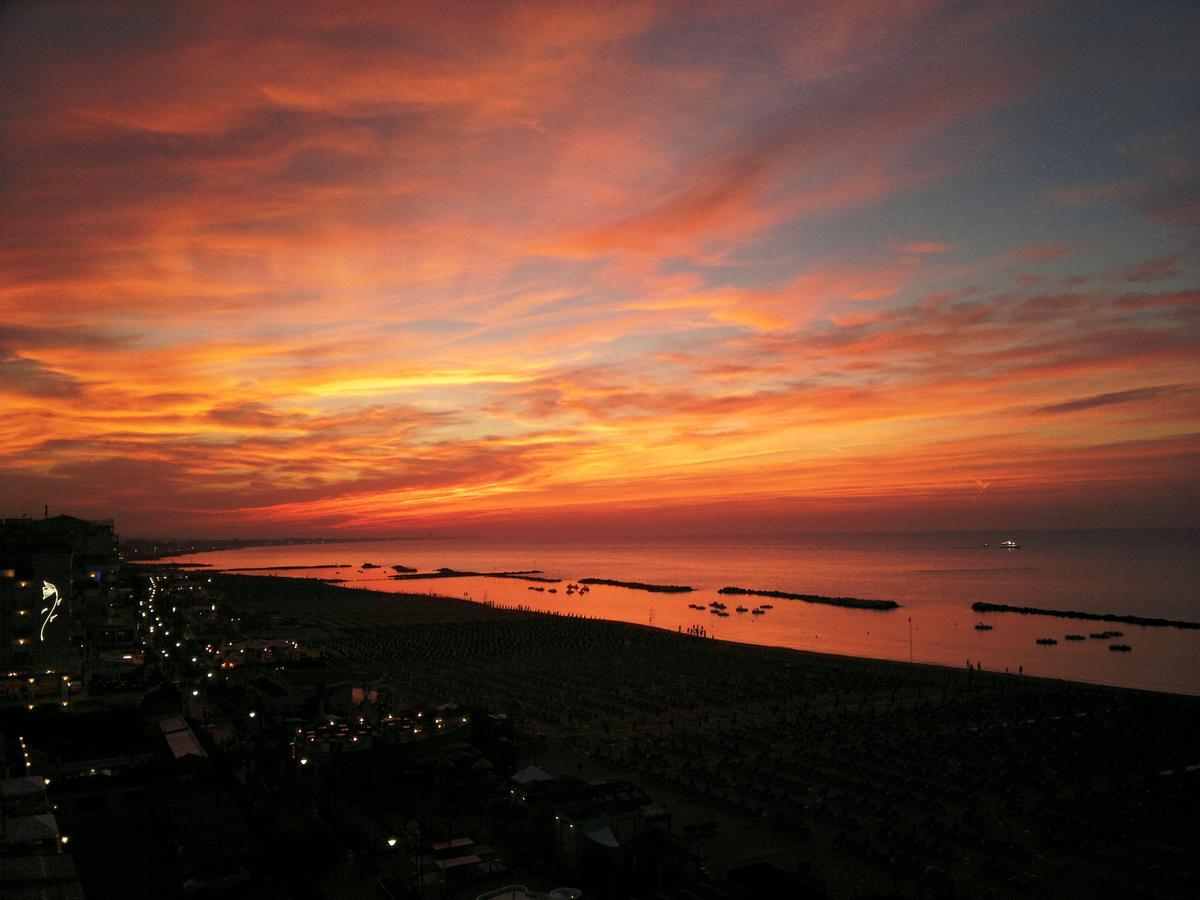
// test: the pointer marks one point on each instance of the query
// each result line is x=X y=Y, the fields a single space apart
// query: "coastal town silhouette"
x=551 y=450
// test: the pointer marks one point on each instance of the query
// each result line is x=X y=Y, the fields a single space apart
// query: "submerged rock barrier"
x=848 y=602
x=524 y=575
x=1076 y=614
x=640 y=585
x=287 y=568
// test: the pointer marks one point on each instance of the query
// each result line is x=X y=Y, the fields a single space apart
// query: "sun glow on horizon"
x=379 y=267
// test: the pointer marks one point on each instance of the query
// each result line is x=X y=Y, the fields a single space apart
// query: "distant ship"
x=1010 y=545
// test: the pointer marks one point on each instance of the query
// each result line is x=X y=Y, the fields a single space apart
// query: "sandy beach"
x=874 y=776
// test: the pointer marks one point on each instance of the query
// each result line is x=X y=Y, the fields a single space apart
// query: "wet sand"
x=874 y=775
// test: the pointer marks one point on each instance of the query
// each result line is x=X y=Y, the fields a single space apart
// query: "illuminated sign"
x=52 y=600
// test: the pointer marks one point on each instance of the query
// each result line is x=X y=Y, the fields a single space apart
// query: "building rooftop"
x=180 y=738
x=48 y=877
x=17 y=830
x=25 y=787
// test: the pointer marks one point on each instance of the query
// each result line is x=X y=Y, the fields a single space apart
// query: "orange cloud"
x=357 y=266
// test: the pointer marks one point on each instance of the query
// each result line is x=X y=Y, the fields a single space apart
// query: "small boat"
x=1009 y=545
x=1075 y=637
x=982 y=627
x=742 y=609
x=1120 y=648
x=758 y=612
x=765 y=606
x=1048 y=642
x=551 y=590
x=369 y=566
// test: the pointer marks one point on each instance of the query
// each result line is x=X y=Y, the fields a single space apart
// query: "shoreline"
x=422 y=608
x=135 y=547
x=772 y=753
x=1163 y=655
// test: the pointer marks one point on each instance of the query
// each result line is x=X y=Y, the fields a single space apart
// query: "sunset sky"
x=370 y=268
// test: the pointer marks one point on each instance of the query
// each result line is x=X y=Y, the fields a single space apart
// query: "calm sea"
x=935 y=576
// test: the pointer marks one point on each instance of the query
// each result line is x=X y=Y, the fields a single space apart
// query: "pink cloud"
x=1160 y=268
x=368 y=262
x=919 y=248
x=1046 y=252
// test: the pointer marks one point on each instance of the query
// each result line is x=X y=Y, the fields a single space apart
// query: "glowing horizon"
x=331 y=270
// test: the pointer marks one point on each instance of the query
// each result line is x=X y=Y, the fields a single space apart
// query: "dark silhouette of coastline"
x=134 y=549
x=768 y=752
